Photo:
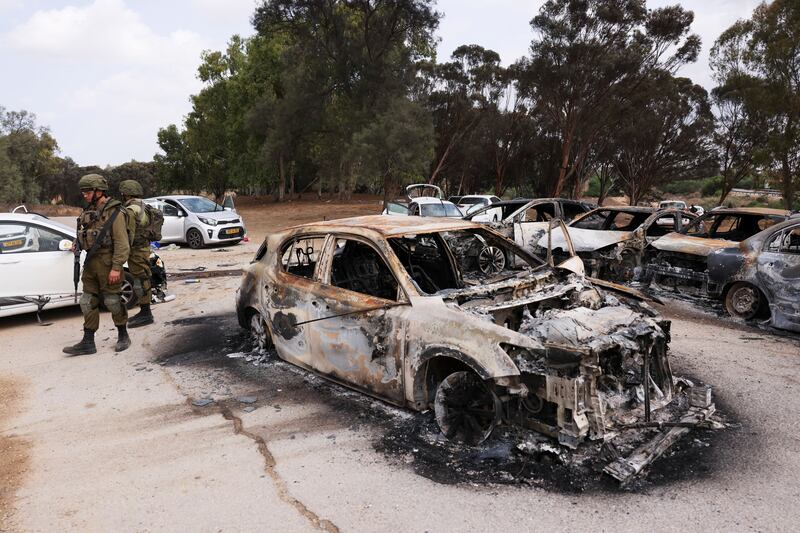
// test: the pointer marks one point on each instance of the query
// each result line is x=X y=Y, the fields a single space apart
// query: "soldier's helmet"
x=131 y=188
x=93 y=181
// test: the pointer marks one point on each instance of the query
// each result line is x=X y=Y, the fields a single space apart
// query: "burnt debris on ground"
x=512 y=456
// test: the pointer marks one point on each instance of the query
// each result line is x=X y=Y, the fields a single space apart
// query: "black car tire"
x=745 y=301
x=194 y=239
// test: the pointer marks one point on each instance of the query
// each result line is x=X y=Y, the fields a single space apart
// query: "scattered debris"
x=202 y=402
x=191 y=280
x=195 y=269
x=249 y=408
x=247 y=399
x=221 y=250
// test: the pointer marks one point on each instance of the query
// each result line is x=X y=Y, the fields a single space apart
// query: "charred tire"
x=467 y=411
x=745 y=301
x=126 y=294
x=194 y=238
x=260 y=333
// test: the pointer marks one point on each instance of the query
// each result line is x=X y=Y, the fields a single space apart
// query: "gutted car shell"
x=680 y=259
x=551 y=351
x=762 y=275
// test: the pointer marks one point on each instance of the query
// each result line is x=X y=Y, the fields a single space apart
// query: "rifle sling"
x=100 y=237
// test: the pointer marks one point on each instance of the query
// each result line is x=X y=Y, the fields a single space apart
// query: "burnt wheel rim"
x=194 y=239
x=259 y=332
x=126 y=293
x=466 y=410
x=744 y=301
x=491 y=260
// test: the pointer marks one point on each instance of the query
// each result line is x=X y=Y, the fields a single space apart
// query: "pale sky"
x=105 y=75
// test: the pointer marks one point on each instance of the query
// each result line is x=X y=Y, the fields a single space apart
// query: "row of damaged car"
x=452 y=316
x=746 y=257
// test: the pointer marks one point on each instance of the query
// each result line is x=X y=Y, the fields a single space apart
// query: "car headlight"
x=209 y=221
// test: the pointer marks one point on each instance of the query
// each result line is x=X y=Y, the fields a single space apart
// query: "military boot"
x=85 y=347
x=142 y=318
x=123 y=341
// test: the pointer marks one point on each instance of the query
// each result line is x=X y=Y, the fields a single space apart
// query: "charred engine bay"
x=514 y=456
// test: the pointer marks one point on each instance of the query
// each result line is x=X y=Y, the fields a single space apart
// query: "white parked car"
x=423 y=200
x=197 y=221
x=36 y=265
x=473 y=202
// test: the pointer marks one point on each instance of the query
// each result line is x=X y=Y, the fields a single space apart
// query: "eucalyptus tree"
x=588 y=59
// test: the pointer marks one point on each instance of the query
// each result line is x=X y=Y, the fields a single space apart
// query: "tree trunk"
x=291 y=180
x=282 y=180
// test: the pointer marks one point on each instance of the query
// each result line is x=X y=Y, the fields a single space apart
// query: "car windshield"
x=443 y=209
x=731 y=226
x=606 y=219
x=472 y=200
x=198 y=204
x=458 y=259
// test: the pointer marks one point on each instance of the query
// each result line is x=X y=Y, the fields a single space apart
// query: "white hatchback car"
x=197 y=221
x=471 y=203
x=36 y=265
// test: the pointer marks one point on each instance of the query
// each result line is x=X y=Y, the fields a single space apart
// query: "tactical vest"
x=92 y=222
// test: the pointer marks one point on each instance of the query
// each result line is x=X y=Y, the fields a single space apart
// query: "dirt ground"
x=186 y=430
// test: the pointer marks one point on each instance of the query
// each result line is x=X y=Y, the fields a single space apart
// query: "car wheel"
x=126 y=293
x=491 y=260
x=194 y=238
x=466 y=410
x=744 y=301
x=260 y=333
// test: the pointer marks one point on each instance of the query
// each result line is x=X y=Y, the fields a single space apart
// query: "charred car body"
x=612 y=241
x=451 y=315
x=760 y=278
x=529 y=221
x=679 y=260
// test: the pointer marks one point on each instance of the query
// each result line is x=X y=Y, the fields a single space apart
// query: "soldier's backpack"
x=152 y=231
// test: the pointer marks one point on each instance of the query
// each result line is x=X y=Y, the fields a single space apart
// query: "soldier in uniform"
x=139 y=259
x=102 y=274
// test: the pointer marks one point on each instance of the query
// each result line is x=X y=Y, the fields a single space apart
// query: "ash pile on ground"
x=511 y=456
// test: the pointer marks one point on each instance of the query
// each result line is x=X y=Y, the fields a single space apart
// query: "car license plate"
x=14 y=243
x=231 y=231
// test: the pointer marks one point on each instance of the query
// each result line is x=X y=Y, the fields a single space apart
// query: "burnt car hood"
x=587 y=240
x=686 y=244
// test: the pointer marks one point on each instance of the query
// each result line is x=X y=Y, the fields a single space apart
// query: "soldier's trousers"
x=96 y=289
x=139 y=267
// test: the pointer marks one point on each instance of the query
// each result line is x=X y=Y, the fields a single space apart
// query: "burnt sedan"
x=613 y=241
x=451 y=316
x=679 y=260
x=760 y=278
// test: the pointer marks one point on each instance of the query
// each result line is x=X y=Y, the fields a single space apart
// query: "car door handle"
x=10 y=262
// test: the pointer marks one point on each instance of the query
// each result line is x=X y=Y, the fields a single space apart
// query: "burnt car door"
x=292 y=300
x=359 y=334
x=778 y=273
x=532 y=223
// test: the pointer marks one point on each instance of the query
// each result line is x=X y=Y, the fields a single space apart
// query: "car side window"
x=169 y=210
x=662 y=225
x=300 y=256
x=787 y=242
x=359 y=268
x=539 y=213
x=571 y=211
x=26 y=238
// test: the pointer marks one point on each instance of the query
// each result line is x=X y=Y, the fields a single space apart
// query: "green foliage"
x=28 y=156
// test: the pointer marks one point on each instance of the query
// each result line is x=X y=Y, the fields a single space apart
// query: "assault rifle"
x=76 y=265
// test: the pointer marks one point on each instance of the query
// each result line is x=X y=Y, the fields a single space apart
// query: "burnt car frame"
x=613 y=240
x=760 y=278
x=679 y=260
x=452 y=316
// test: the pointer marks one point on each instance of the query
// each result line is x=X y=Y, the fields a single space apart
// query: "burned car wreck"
x=451 y=316
x=679 y=260
x=760 y=278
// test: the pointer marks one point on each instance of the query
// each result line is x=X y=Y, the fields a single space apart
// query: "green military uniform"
x=110 y=254
x=139 y=260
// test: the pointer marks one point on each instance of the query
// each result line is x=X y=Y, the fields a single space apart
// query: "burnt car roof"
x=389 y=225
x=628 y=208
x=748 y=211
